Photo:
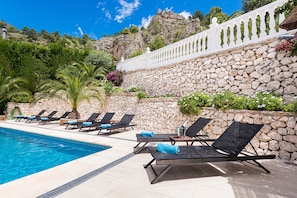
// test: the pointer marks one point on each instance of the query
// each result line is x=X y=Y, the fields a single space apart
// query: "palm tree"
x=75 y=83
x=10 y=86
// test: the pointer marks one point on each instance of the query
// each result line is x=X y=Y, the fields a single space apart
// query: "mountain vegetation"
x=29 y=58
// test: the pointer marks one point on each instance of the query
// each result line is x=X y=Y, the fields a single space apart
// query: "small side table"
x=181 y=138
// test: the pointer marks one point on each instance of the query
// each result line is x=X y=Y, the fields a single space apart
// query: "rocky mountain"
x=171 y=27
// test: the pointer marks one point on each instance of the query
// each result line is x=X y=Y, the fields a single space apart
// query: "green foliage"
x=126 y=31
x=157 y=43
x=191 y=104
x=228 y=100
x=108 y=87
x=291 y=107
x=99 y=59
x=134 y=29
x=142 y=95
x=249 y=5
x=137 y=53
x=286 y=7
x=265 y=101
x=134 y=89
x=118 y=90
x=22 y=98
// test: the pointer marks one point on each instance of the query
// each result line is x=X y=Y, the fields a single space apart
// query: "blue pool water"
x=23 y=153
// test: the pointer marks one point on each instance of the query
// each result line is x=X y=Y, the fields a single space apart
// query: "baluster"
x=272 y=23
x=262 y=25
x=254 y=28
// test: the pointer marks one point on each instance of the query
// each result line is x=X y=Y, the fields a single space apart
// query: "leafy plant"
x=265 y=101
x=134 y=89
x=291 y=107
x=108 y=86
x=191 y=104
x=228 y=100
x=142 y=95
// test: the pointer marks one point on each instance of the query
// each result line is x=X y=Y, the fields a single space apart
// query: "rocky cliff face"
x=170 y=26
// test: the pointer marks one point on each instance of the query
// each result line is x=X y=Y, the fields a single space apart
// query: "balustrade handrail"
x=252 y=27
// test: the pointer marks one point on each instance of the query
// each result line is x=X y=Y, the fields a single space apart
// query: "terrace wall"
x=162 y=115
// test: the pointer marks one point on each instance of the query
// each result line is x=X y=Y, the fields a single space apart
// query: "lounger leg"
x=256 y=163
x=160 y=174
x=138 y=148
x=149 y=164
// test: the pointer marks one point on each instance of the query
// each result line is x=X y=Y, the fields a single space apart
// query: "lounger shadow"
x=228 y=147
x=194 y=132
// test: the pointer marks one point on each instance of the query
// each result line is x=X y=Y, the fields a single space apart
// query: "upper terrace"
x=253 y=27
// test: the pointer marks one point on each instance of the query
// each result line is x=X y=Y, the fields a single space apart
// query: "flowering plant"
x=116 y=77
x=288 y=46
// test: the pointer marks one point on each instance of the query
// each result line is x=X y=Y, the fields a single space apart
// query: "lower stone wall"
x=162 y=115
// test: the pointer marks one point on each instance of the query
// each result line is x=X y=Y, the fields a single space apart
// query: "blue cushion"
x=72 y=122
x=87 y=123
x=147 y=133
x=166 y=148
x=43 y=118
x=105 y=126
x=31 y=117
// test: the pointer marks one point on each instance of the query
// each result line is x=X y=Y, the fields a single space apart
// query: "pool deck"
x=117 y=172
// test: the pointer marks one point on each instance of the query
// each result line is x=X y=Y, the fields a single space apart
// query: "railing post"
x=213 y=40
x=147 y=58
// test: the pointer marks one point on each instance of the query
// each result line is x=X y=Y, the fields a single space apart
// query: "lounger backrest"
x=52 y=114
x=126 y=119
x=236 y=137
x=65 y=114
x=197 y=126
x=93 y=117
x=41 y=112
x=107 y=117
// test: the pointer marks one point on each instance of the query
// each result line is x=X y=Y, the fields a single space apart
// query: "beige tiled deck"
x=130 y=179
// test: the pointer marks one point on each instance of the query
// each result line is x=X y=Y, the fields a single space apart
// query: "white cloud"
x=107 y=14
x=126 y=9
x=145 y=22
x=100 y=4
x=80 y=30
x=185 y=14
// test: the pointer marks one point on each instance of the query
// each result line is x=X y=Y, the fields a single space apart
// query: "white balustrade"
x=258 y=25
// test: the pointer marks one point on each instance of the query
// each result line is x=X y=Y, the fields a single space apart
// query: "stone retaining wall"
x=244 y=71
x=162 y=115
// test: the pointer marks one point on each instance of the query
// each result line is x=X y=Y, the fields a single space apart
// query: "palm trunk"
x=74 y=114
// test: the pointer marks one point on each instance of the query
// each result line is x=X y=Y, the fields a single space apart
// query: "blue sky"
x=94 y=17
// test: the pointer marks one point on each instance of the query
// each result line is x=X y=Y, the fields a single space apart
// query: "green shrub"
x=108 y=86
x=22 y=98
x=142 y=95
x=265 y=101
x=191 y=104
x=118 y=90
x=134 y=89
x=228 y=100
x=291 y=107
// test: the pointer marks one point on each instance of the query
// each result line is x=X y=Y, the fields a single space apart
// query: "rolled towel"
x=44 y=119
x=87 y=123
x=166 y=148
x=147 y=133
x=20 y=116
x=31 y=117
x=72 y=122
x=105 y=126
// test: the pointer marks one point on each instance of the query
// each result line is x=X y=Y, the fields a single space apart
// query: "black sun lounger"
x=191 y=132
x=20 y=117
x=44 y=120
x=228 y=147
x=75 y=123
x=30 y=119
x=122 y=124
x=105 y=120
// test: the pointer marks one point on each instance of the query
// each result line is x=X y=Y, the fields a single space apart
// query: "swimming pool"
x=23 y=153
